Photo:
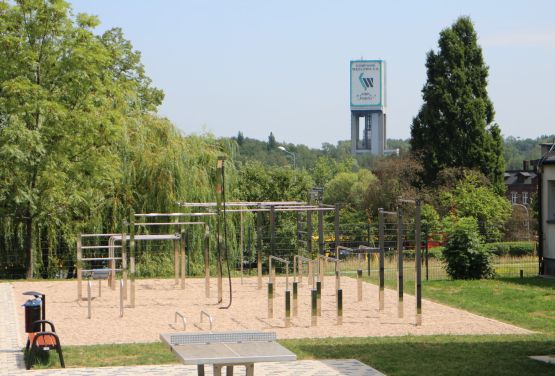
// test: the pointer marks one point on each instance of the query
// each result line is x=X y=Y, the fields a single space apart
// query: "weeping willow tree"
x=80 y=141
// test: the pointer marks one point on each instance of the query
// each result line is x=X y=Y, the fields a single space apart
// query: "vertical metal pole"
x=427 y=271
x=259 y=248
x=89 y=298
x=337 y=279
x=295 y=297
x=121 y=290
x=79 y=268
x=272 y=230
x=241 y=244
x=336 y=231
x=400 y=279
x=339 y=306
x=287 y=308
x=270 y=300
x=183 y=253
x=176 y=262
x=321 y=232
x=381 y=232
x=206 y=261
x=418 y=262
x=359 y=285
x=319 y=296
x=310 y=274
x=132 y=259
x=321 y=269
x=313 y=307
x=124 y=260
x=309 y=232
x=112 y=264
x=368 y=252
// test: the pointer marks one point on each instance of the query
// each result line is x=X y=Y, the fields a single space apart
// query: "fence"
x=292 y=233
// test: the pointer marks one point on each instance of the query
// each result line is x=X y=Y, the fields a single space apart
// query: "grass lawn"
x=528 y=302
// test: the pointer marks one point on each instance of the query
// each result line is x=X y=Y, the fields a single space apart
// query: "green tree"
x=66 y=96
x=454 y=127
x=271 y=141
x=473 y=198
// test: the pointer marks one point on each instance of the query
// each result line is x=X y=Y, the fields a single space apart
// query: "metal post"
x=124 y=266
x=121 y=290
x=272 y=230
x=259 y=248
x=287 y=308
x=270 y=300
x=309 y=232
x=183 y=253
x=339 y=306
x=132 y=259
x=400 y=255
x=112 y=263
x=418 y=265
x=176 y=258
x=336 y=230
x=295 y=298
x=319 y=296
x=310 y=274
x=321 y=269
x=382 y=257
x=320 y=232
x=206 y=261
x=368 y=252
x=241 y=244
x=427 y=273
x=359 y=285
x=313 y=307
x=337 y=280
x=79 y=268
x=89 y=298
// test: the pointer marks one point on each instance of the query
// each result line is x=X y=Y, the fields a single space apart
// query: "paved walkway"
x=11 y=358
x=303 y=368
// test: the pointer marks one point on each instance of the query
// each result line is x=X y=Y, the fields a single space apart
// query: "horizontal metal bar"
x=279 y=259
x=169 y=223
x=100 y=258
x=100 y=246
x=173 y=214
x=96 y=235
x=407 y=201
x=332 y=259
x=388 y=212
x=99 y=270
x=240 y=203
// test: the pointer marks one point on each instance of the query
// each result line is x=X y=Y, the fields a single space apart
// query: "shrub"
x=464 y=255
x=514 y=249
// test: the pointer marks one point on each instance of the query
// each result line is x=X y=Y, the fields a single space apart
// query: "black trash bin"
x=32 y=314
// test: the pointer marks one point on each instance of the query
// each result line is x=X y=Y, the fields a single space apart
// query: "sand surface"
x=157 y=301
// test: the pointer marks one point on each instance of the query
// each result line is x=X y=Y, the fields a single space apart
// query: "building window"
x=525 y=198
x=514 y=197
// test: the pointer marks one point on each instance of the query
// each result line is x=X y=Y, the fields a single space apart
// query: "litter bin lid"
x=36 y=294
x=33 y=303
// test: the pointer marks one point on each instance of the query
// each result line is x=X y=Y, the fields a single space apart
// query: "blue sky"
x=283 y=66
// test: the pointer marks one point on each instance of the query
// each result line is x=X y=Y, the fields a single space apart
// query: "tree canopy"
x=454 y=127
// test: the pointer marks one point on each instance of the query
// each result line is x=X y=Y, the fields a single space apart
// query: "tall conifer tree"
x=454 y=127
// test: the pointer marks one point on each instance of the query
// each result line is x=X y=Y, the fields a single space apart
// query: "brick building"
x=521 y=184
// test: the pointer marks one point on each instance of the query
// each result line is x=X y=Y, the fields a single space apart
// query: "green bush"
x=514 y=249
x=464 y=255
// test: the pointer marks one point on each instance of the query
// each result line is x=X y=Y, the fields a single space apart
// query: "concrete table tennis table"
x=226 y=349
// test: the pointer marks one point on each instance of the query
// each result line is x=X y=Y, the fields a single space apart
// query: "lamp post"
x=291 y=154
